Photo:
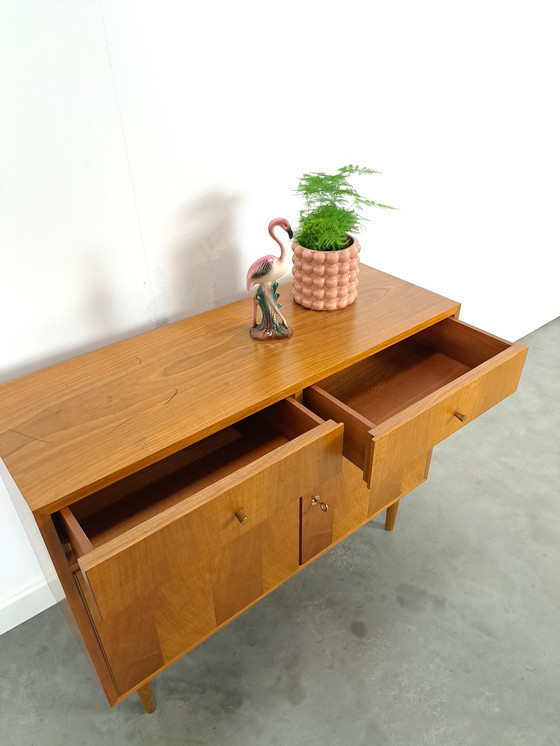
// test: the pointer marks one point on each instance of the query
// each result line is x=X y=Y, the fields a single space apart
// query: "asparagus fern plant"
x=332 y=209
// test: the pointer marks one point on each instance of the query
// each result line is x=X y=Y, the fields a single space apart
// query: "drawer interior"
x=105 y=514
x=395 y=378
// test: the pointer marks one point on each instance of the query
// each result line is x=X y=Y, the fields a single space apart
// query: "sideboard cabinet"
x=179 y=476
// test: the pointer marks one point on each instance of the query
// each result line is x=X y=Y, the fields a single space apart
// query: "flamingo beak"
x=290 y=233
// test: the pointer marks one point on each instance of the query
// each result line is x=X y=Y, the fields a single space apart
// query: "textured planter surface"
x=325 y=280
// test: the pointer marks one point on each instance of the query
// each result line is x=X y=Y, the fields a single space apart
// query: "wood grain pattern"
x=348 y=487
x=348 y=498
x=356 y=427
x=462 y=342
x=178 y=603
x=111 y=512
x=429 y=421
x=398 y=378
x=177 y=576
x=74 y=428
x=295 y=466
x=351 y=503
x=139 y=507
x=410 y=392
x=150 y=448
x=143 y=478
x=316 y=525
x=348 y=494
x=76 y=535
x=386 y=488
x=79 y=619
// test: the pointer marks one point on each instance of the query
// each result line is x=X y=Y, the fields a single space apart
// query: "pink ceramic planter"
x=325 y=280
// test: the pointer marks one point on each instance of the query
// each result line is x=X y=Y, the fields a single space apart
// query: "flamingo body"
x=266 y=269
x=269 y=268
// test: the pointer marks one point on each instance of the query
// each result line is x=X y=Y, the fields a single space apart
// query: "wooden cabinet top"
x=75 y=427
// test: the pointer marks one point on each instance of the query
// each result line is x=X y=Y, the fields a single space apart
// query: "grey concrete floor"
x=446 y=631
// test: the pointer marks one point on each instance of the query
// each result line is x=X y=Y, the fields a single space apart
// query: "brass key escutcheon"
x=317 y=501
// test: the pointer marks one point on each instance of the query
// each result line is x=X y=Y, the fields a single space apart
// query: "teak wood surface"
x=155 y=591
x=404 y=400
x=76 y=427
x=189 y=481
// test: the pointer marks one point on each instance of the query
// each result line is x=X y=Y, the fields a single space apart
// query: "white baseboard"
x=22 y=606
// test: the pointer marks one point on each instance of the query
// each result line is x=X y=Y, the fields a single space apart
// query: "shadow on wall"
x=205 y=266
x=93 y=314
x=206 y=256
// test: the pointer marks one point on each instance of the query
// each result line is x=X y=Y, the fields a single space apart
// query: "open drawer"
x=398 y=403
x=172 y=552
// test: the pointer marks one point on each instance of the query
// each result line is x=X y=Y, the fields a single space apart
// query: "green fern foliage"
x=332 y=209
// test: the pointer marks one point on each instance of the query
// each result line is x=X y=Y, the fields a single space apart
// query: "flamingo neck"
x=271 y=228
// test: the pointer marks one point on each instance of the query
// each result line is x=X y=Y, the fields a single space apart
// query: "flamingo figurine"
x=264 y=274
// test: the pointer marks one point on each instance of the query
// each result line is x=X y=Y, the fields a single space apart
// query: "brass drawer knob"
x=241 y=517
x=460 y=416
x=317 y=501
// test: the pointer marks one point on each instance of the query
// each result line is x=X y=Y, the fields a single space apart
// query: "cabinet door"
x=332 y=510
x=317 y=513
x=344 y=502
x=163 y=586
x=175 y=597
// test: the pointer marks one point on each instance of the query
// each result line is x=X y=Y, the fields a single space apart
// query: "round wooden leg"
x=391 y=516
x=146 y=694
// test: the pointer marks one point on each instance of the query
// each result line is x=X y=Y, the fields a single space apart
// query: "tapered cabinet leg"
x=391 y=516
x=146 y=694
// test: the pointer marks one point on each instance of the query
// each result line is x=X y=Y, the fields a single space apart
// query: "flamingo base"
x=272 y=325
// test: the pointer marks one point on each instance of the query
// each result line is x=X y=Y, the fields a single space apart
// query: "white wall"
x=144 y=146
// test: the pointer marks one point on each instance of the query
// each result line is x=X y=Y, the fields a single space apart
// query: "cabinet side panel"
x=78 y=617
x=33 y=534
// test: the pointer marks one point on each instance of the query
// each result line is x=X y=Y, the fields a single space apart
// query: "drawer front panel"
x=158 y=590
x=428 y=422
